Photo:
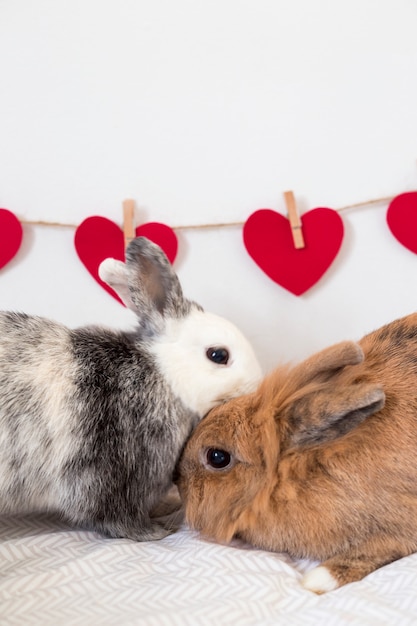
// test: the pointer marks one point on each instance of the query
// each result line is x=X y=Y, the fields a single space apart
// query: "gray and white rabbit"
x=93 y=420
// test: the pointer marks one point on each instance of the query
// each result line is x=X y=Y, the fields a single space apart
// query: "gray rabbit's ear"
x=325 y=415
x=153 y=285
x=114 y=274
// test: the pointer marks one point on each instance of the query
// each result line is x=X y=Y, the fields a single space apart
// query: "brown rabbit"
x=319 y=462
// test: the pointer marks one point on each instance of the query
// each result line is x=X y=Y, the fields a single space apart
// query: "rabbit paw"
x=169 y=503
x=319 y=580
x=152 y=530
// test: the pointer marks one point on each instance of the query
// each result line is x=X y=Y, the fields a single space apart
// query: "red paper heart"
x=11 y=234
x=98 y=238
x=268 y=239
x=402 y=219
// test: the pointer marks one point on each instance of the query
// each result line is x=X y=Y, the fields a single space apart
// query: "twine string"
x=357 y=205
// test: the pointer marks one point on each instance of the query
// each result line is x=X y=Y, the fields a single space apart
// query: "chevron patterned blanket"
x=52 y=575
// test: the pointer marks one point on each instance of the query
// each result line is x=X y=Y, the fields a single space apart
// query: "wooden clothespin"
x=128 y=221
x=295 y=220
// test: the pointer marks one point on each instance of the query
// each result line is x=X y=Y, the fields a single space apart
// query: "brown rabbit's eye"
x=218 y=459
x=218 y=355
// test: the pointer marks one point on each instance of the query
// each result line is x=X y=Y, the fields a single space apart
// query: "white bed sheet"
x=54 y=575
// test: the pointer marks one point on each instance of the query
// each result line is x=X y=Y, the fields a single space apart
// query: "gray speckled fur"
x=89 y=428
x=96 y=452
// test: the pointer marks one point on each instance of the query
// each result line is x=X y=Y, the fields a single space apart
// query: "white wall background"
x=204 y=112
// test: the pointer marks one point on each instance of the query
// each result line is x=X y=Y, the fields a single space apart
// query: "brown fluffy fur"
x=324 y=458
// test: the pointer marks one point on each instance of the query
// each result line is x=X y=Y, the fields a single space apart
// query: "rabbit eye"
x=218 y=355
x=218 y=459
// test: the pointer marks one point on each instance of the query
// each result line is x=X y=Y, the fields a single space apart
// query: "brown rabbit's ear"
x=328 y=360
x=325 y=415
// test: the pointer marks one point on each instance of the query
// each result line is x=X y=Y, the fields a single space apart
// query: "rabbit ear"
x=328 y=360
x=146 y=283
x=114 y=273
x=326 y=415
x=154 y=288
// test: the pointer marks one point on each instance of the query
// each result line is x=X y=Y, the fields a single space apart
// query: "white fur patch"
x=201 y=384
x=112 y=271
x=41 y=445
x=319 y=580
